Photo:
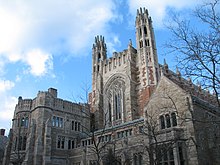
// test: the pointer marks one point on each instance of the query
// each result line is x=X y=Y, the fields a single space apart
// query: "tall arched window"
x=168 y=120
x=118 y=106
x=145 y=30
x=114 y=101
x=173 y=117
x=140 y=33
x=162 y=122
x=99 y=57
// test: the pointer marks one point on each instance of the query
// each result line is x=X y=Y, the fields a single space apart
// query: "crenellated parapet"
x=23 y=105
x=118 y=59
x=187 y=84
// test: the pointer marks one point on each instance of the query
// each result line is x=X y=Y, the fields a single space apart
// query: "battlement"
x=187 y=85
x=48 y=99
x=118 y=59
x=23 y=104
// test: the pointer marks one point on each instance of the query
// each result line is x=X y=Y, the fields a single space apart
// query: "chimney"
x=53 y=92
x=2 y=132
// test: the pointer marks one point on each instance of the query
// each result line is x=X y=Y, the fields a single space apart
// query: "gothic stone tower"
x=122 y=84
x=147 y=60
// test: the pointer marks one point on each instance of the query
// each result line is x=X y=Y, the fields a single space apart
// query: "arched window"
x=141 y=44
x=99 y=57
x=162 y=122
x=114 y=101
x=140 y=33
x=118 y=106
x=174 y=121
x=168 y=120
x=145 y=30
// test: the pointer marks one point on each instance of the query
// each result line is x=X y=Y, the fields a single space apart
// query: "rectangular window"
x=61 y=142
x=73 y=144
x=58 y=141
x=73 y=125
x=165 y=154
x=78 y=126
x=61 y=123
x=138 y=159
x=69 y=144
x=26 y=122
x=23 y=122
x=181 y=153
x=54 y=121
x=57 y=121
x=76 y=123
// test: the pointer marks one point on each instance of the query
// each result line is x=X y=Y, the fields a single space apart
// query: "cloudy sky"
x=48 y=43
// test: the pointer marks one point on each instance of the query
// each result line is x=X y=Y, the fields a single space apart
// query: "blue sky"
x=48 y=43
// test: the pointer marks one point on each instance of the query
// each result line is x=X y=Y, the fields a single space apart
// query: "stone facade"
x=122 y=84
x=3 y=142
x=42 y=124
x=139 y=112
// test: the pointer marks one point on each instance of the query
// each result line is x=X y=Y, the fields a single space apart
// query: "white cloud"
x=40 y=62
x=6 y=85
x=157 y=8
x=52 y=27
x=11 y=30
x=7 y=107
x=7 y=103
x=114 y=42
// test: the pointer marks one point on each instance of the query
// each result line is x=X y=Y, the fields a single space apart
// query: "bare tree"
x=168 y=115
x=16 y=148
x=98 y=143
x=197 y=49
x=159 y=144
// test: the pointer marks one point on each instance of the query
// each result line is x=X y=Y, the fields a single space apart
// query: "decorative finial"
x=189 y=80
x=137 y=12
x=178 y=72
x=164 y=62
x=130 y=42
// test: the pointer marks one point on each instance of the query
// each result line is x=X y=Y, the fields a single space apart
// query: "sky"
x=48 y=43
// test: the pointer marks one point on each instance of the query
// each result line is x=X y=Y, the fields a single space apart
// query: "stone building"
x=3 y=142
x=44 y=123
x=139 y=112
